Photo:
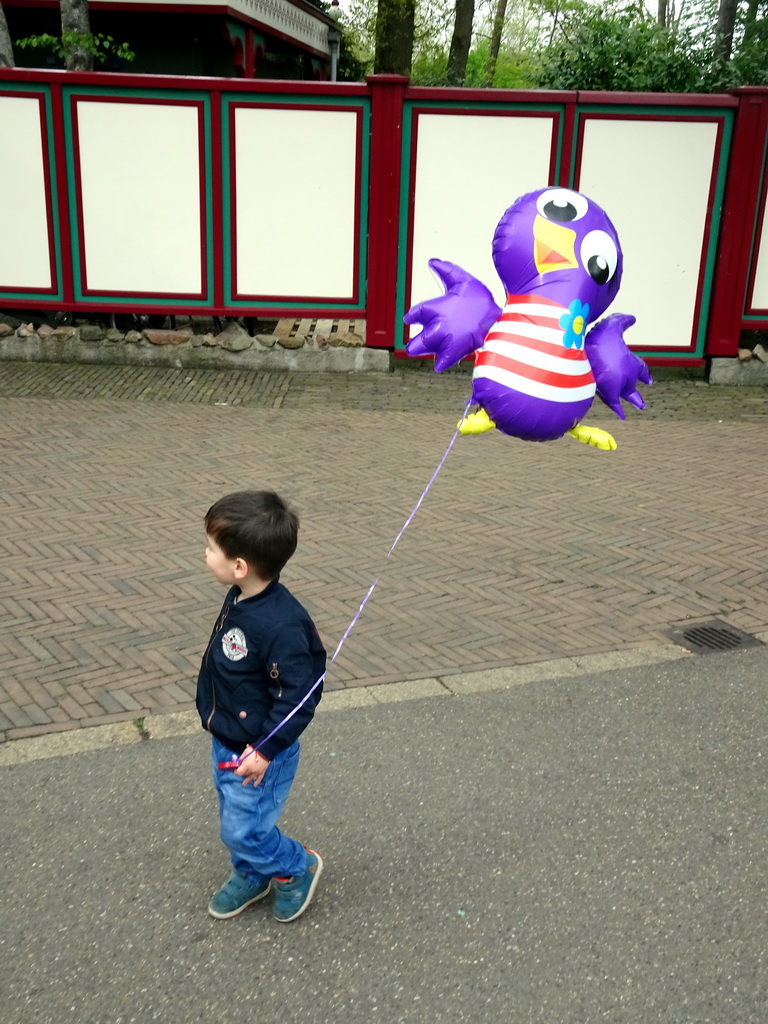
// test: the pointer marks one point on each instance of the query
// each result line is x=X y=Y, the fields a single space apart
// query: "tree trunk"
x=750 y=20
x=74 y=18
x=726 y=19
x=6 y=49
x=395 y=21
x=493 y=53
x=661 y=16
x=675 y=17
x=461 y=41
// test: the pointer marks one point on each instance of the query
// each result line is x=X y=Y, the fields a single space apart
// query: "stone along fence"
x=294 y=345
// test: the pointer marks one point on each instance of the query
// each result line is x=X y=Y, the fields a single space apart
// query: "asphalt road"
x=564 y=852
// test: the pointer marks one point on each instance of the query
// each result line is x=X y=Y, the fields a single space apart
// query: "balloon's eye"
x=600 y=256
x=562 y=205
x=598 y=269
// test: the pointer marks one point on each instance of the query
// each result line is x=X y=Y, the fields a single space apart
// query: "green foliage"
x=514 y=69
x=620 y=47
x=429 y=67
x=430 y=43
x=749 y=66
x=613 y=45
x=617 y=49
x=355 y=56
x=357 y=24
x=100 y=46
x=350 y=67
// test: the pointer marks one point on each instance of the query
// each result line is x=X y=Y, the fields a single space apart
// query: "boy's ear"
x=241 y=568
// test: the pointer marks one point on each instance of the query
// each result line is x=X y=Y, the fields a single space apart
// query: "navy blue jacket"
x=264 y=655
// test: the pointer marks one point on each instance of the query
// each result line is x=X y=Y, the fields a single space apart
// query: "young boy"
x=263 y=657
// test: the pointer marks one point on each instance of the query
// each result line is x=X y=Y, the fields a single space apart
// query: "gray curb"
x=187 y=723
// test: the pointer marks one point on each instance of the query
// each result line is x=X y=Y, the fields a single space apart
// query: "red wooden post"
x=216 y=286
x=565 y=178
x=387 y=96
x=741 y=203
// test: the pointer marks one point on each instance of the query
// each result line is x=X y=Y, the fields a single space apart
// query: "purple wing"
x=616 y=369
x=456 y=323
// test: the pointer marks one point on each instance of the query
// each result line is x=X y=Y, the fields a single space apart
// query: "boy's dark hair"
x=257 y=526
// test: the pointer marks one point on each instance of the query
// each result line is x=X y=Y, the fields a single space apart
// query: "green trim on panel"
x=226 y=198
x=365 y=187
x=45 y=92
x=559 y=146
x=277 y=99
x=547 y=108
x=402 y=241
x=136 y=93
x=24 y=87
x=714 y=231
x=74 y=233
x=54 y=182
x=689 y=113
x=161 y=94
x=666 y=354
x=364 y=106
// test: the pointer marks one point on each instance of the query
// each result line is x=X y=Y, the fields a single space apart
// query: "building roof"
x=296 y=21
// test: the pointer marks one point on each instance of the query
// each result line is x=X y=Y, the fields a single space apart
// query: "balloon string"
x=371 y=589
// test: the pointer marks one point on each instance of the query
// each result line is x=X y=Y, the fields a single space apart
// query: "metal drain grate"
x=710 y=637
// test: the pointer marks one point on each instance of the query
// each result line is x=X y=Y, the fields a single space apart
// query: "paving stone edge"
x=185 y=723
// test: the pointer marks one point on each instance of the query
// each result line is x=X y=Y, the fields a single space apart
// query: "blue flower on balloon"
x=574 y=323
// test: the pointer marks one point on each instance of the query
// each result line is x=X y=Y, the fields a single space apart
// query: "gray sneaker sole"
x=310 y=894
x=233 y=913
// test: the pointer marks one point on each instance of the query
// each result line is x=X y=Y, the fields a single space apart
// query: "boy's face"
x=224 y=569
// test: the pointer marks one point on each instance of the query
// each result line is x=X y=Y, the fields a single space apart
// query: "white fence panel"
x=759 y=297
x=653 y=179
x=25 y=258
x=141 y=208
x=295 y=202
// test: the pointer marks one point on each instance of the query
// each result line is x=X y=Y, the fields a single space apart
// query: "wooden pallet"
x=288 y=328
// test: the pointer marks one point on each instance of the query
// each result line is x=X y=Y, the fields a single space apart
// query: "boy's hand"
x=253 y=767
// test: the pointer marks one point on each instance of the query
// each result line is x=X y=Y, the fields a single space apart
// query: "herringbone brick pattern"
x=520 y=552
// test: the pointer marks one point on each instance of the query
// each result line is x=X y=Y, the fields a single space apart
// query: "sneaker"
x=293 y=895
x=235 y=895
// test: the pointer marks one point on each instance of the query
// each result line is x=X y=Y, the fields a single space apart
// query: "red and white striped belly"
x=524 y=351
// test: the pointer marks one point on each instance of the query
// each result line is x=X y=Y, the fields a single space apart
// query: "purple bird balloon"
x=537 y=369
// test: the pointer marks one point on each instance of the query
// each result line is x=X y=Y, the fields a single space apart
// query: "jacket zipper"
x=274 y=674
x=219 y=626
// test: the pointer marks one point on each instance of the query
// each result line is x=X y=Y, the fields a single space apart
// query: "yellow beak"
x=553 y=246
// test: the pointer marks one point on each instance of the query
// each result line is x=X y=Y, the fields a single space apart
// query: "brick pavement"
x=521 y=552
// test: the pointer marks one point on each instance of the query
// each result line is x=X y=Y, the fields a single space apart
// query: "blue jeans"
x=249 y=814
